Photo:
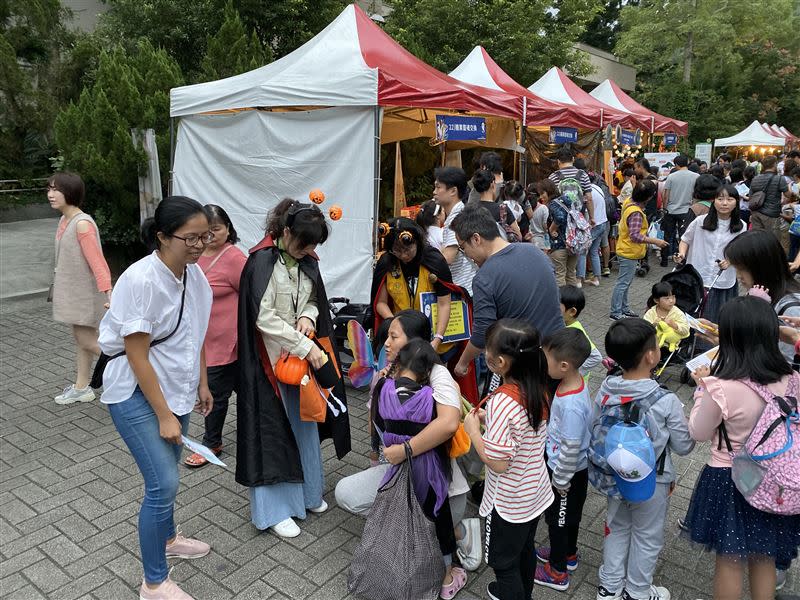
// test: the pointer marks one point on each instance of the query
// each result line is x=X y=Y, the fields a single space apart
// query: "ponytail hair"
x=171 y=214
x=521 y=343
x=305 y=222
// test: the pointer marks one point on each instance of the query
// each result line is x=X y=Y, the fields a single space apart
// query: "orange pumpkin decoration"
x=317 y=196
x=335 y=212
x=291 y=369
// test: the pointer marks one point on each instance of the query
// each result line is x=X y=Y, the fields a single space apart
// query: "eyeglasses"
x=192 y=239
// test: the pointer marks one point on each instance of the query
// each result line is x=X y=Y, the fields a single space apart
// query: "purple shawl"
x=426 y=468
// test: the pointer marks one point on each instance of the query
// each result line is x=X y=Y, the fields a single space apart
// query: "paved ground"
x=70 y=493
x=26 y=256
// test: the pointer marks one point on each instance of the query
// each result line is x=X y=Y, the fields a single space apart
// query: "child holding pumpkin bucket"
x=281 y=292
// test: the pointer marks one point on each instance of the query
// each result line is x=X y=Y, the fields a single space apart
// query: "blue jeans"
x=619 y=299
x=598 y=231
x=158 y=462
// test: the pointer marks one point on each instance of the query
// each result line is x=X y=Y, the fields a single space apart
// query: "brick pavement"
x=70 y=494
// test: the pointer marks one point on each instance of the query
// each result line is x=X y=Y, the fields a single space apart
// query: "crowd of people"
x=197 y=320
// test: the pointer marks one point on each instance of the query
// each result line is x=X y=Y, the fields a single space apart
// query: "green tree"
x=604 y=30
x=704 y=61
x=130 y=90
x=180 y=27
x=32 y=38
x=525 y=37
x=231 y=50
x=285 y=25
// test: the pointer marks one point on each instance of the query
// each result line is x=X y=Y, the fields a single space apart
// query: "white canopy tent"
x=753 y=135
x=315 y=119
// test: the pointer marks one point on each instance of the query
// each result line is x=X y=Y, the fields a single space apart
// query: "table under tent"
x=316 y=119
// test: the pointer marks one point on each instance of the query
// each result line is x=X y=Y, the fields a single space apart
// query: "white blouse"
x=147 y=299
x=706 y=247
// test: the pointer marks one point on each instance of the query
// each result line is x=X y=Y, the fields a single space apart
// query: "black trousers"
x=563 y=519
x=222 y=381
x=672 y=226
x=511 y=552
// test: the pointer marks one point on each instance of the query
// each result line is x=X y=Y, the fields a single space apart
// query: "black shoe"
x=604 y=594
x=629 y=313
x=664 y=262
x=616 y=316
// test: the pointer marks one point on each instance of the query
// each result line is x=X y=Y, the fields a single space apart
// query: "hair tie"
x=758 y=291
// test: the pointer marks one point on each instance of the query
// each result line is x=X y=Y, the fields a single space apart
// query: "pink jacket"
x=223 y=276
x=717 y=399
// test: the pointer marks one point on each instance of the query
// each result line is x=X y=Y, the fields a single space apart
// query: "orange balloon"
x=335 y=212
x=317 y=196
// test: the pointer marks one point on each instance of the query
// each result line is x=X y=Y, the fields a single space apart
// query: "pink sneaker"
x=183 y=547
x=167 y=590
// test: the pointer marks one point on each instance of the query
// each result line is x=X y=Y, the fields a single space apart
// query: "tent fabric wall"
x=247 y=162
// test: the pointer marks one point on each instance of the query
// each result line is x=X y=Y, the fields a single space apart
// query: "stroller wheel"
x=641 y=272
x=685 y=376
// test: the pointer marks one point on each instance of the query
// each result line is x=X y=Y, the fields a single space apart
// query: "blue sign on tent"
x=670 y=139
x=627 y=137
x=563 y=135
x=451 y=128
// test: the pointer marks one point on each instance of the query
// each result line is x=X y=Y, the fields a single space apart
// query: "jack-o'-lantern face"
x=335 y=212
x=317 y=196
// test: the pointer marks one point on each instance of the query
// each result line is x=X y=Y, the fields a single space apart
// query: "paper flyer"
x=202 y=451
x=702 y=360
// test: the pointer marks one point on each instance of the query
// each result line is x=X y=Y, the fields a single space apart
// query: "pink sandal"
x=450 y=590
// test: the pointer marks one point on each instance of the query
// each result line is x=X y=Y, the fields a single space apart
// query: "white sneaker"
x=72 y=394
x=604 y=594
x=320 y=509
x=656 y=593
x=286 y=528
x=469 y=547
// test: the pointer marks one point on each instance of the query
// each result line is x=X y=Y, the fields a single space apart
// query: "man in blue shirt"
x=514 y=281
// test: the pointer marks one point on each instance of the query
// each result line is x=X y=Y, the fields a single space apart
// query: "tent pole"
x=523 y=157
x=377 y=177
x=171 y=154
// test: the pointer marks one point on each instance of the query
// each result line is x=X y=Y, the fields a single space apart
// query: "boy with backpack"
x=635 y=425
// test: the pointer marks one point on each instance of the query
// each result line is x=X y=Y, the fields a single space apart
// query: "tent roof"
x=787 y=133
x=352 y=62
x=610 y=93
x=478 y=68
x=557 y=87
x=753 y=135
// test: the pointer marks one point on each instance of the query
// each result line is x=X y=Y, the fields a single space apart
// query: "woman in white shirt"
x=703 y=245
x=156 y=374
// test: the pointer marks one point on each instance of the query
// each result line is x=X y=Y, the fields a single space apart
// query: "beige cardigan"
x=276 y=315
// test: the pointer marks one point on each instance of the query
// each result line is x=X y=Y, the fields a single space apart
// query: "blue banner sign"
x=563 y=135
x=451 y=128
x=670 y=139
x=627 y=137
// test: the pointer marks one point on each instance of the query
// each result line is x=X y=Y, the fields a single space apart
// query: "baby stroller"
x=687 y=285
x=691 y=297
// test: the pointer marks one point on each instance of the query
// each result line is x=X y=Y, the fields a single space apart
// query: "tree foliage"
x=709 y=63
x=525 y=37
x=231 y=50
x=130 y=90
x=604 y=30
x=32 y=38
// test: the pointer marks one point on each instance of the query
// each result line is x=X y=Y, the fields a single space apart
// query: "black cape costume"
x=266 y=449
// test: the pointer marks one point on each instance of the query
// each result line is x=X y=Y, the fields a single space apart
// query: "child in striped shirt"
x=567 y=459
x=517 y=489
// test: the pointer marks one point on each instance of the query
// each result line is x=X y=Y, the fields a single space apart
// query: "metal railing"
x=19 y=186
